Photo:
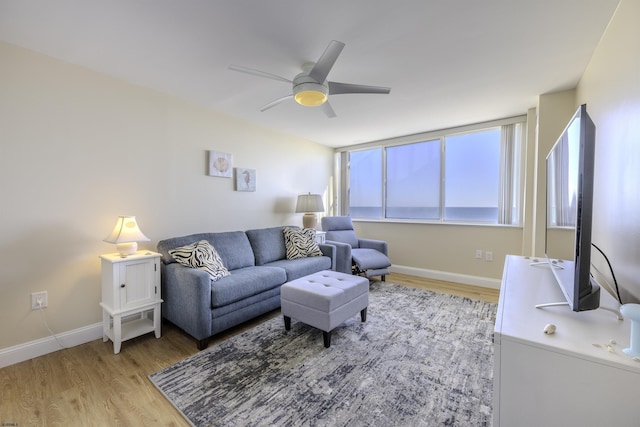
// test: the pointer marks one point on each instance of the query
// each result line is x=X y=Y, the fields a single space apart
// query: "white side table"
x=320 y=236
x=130 y=296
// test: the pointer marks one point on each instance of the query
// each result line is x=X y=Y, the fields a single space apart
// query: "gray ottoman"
x=324 y=300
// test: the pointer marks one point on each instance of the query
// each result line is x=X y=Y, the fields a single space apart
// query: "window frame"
x=512 y=161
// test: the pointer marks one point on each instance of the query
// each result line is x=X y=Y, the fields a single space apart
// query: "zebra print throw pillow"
x=203 y=256
x=301 y=243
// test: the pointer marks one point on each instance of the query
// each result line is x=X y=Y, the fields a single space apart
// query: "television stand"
x=578 y=376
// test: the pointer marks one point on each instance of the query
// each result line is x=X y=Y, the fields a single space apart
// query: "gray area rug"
x=421 y=359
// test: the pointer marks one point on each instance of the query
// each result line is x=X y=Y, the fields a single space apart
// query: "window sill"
x=434 y=222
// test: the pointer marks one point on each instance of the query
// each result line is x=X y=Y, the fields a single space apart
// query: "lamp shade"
x=309 y=203
x=125 y=235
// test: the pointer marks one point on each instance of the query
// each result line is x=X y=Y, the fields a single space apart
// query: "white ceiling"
x=448 y=62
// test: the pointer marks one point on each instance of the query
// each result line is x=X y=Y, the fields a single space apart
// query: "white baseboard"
x=29 y=350
x=465 y=279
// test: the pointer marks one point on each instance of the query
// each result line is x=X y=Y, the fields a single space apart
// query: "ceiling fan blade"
x=276 y=102
x=258 y=73
x=340 y=88
x=320 y=71
x=326 y=107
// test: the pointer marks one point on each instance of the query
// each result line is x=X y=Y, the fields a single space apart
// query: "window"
x=470 y=176
x=413 y=181
x=365 y=195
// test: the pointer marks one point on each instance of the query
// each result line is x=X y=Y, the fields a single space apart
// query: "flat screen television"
x=570 y=170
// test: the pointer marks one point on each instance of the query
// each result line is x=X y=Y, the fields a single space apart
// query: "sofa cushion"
x=297 y=268
x=301 y=243
x=232 y=246
x=268 y=244
x=203 y=256
x=245 y=282
x=234 y=249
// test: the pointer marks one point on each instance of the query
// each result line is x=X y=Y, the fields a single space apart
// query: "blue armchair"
x=355 y=255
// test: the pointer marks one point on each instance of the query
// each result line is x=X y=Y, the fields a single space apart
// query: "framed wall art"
x=245 y=179
x=220 y=164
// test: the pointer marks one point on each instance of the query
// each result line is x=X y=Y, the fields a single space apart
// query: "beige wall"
x=446 y=248
x=610 y=87
x=78 y=148
x=529 y=185
x=554 y=112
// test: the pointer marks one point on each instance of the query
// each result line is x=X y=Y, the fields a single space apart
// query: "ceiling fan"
x=311 y=87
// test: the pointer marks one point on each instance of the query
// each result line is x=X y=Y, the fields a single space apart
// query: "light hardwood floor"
x=88 y=385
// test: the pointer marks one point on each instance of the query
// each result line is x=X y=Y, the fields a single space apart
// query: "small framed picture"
x=220 y=164
x=245 y=179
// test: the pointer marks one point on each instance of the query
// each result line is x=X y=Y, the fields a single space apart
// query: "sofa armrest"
x=379 y=245
x=330 y=251
x=187 y=299
x=343 y=256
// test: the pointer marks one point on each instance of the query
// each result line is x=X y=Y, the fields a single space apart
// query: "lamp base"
x=309 y=220
x=126 y=249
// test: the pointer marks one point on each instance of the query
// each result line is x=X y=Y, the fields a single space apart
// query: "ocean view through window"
x=470 y=176
x=365 y=189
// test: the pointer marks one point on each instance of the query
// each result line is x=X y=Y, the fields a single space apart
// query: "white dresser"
x=570 y=378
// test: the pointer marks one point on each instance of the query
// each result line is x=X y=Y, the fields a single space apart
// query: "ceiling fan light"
x=310 y=94
x=310 y=98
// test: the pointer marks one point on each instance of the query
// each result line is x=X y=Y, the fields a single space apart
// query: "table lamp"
x=309 y=204
x=126 y=235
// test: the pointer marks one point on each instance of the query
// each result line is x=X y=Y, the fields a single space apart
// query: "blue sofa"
x=258 y=265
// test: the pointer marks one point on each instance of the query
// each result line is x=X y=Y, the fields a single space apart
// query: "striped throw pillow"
x=301 y=243
x=203 y=256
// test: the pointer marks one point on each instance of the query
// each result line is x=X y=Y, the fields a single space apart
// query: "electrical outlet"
x=478 y=253
x=39 y=300
x=488 y=256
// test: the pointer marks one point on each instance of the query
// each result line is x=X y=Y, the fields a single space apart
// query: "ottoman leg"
x=326 y=336
x=363 y=314
x=287 y=323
